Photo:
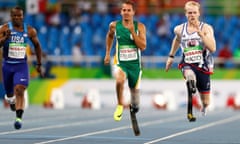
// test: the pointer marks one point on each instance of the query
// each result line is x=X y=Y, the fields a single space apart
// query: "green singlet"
x=128 y=56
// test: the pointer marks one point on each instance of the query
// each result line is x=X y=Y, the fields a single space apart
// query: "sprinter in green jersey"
x=131 y=40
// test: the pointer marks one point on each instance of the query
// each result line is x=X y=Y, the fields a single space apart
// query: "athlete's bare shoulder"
x=178 y=29
x=32 y=32
x=112 y=27
x=141 y=26
x=208 y=29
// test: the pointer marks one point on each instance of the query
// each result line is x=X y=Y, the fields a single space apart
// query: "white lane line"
x=57 y=126
x=234 y=118
x=112 y=130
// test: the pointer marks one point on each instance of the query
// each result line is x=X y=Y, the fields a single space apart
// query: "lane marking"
x=231 y=119
x=56 y=126
x=112 y=130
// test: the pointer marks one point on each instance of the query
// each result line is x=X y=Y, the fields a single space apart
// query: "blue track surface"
x=84 y=126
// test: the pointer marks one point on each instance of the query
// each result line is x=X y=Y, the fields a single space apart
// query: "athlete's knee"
x=120 y=80
x=205 y=99
x=189 y=75
x=19 y=90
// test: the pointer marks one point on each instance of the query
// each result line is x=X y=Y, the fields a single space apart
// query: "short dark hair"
x=130 y=2
x=17 y=8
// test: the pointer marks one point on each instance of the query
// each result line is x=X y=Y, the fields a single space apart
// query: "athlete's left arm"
x=207 y=35
x=140 y=39
x=32 y=34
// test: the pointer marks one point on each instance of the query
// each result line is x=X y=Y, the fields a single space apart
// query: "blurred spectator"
x=224 y=55
x=101 y=6
x=163 y=28
x=77 y=54
x=4 y=16
x=113 y=7
x=85 y=5
x=53 y=12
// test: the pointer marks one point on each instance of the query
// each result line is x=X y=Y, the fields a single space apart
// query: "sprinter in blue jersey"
x=14 y=36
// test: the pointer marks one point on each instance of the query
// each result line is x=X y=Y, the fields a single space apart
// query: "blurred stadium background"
x=72 y=35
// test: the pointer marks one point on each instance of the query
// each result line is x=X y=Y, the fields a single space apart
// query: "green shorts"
x=133 y=72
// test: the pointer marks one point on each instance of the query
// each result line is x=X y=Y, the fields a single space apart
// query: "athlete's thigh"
x=134 y=78
x=188 y=72
x=203 y=81
x=21 y=75
x=7 y=78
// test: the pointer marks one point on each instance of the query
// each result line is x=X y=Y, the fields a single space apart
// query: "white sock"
x=10 y=100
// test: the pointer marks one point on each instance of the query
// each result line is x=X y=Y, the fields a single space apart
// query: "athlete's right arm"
x=174 y=47
x=4 y=34
x=109 y=41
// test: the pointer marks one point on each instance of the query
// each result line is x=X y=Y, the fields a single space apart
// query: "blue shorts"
x=14 y=74
x=203 y=79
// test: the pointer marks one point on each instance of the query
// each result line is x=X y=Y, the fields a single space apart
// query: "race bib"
x=17 y=50
x=193 y=55
x=128 y=54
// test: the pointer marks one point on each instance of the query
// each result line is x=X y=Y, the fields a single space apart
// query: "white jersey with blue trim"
x=194 y=50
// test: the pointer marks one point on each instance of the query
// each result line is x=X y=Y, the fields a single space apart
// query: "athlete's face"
x=17 y=17
x=192 y=13
x=127 y=12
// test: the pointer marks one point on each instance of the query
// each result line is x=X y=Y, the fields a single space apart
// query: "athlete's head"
x=17 y=16
x=128 y=10
x=192 y=10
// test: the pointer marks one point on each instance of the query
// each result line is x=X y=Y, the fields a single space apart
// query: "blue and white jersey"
x=14 y=48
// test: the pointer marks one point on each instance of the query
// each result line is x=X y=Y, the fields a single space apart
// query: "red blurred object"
x=48 y=104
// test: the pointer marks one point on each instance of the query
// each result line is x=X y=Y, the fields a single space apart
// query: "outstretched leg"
x=191 y=89
x=20 y=104
x=205 y=98
x=134 y=100
x=120 y=80
x=134 y=108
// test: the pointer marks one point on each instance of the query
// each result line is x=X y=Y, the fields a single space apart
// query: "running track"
x=84 y=126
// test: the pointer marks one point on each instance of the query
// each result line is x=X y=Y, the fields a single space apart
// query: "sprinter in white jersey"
x=197 y=42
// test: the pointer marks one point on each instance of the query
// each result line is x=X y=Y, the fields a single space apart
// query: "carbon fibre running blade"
x=135 y=126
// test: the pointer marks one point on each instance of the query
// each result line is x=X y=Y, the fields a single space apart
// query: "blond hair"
x=192 y=3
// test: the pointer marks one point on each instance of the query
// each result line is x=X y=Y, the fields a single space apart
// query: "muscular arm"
x=140 y=39
x=208 y=38
x=4 y=34
x=176 y=40
x=32 y=33
x=174 y=47
x=109 y=41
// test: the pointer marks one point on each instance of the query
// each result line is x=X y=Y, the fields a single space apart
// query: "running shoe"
x=18 y=123
x=118 y=113
x=204 y=111
x=11 y=102
x=191 y=118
